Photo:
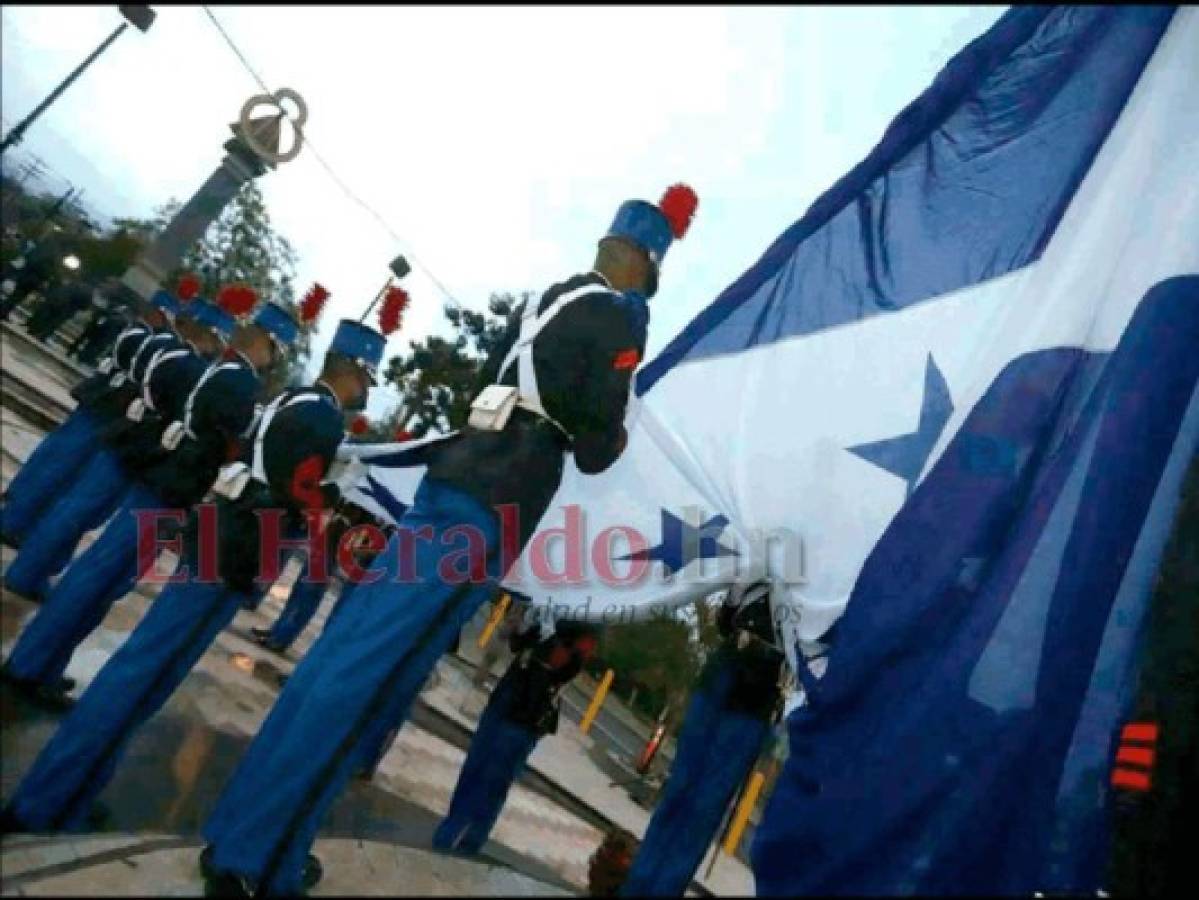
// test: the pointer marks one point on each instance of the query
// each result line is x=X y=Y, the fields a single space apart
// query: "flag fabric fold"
x=948 y=411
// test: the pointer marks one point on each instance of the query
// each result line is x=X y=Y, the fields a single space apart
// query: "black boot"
x=262 y=637
x=55 y=697
x=9 y=823
x=218 y=883
x=313 y=872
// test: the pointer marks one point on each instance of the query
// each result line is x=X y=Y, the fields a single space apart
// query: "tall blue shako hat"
x=165 y=301
x=279 y=323
x=364 y=344
x=238 y=300
x=193 y=307
x=212 y=316
x=655 y=228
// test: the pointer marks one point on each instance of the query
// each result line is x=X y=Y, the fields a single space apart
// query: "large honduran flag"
x=966 y=379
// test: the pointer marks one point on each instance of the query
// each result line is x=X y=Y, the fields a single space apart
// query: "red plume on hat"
x=403 y=434
x=312 y=304
x=236 y=299
x=392 y=311
x=678 y=206
x=188 y=287
x=359 y=425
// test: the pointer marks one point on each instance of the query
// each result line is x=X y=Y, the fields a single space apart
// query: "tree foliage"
x=438 y=378
x=240 y=246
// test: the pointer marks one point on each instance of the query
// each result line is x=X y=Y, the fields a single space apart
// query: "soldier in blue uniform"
x=307 y=592
x=102 y=482
x=735 y=704
x=282 y=469
x=560 y=383
x=60 y=456
x=200 y=435
x=522 y=709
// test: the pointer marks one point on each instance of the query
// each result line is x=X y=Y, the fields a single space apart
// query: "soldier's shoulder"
x=614 y=309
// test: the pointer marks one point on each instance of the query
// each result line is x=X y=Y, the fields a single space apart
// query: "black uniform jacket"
x=585 y=359
x=222 y=413
x=298 y=445
x=536 y=677
x=138 y=444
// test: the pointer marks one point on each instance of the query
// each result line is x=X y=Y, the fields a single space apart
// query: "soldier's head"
x=631 y=253
x=348 y=380
x=352 y=363
x=161 y=311
x=267 y=338
x=206 y=326
x=197 y=335
x=254 y=344
x=155 y=318
x=626 y=266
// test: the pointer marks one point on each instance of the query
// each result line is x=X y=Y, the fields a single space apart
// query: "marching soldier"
x=523 y=708
x=204 y=432
x=729 y=719
x=560 y=384
x=293 y=446
x=101 y=483
x=62 y=453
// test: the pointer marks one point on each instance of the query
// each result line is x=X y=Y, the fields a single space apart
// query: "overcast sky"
x=497 y=142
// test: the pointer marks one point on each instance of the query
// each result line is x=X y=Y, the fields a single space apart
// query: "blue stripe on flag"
x=923 y=764
x=959 y=190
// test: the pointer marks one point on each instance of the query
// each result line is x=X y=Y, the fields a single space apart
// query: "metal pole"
x=378 y=297
x=14 y=136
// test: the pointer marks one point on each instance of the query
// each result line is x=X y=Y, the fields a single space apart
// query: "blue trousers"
x=382 y=731
x=104 y=573
x=302 y=604
x=59 y=790
x=48 y=472
x=46 y=549
x=716 y=750
x=339 y=606
x=359 y=678
x=498 y=752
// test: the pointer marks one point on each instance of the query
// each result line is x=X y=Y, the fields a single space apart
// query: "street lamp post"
x=140 y=16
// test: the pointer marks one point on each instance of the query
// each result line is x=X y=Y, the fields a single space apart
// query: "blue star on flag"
x=906 y=455
x=683 y=544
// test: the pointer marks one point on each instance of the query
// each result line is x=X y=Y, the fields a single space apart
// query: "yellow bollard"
x=744 y=808
x=497 y=616
x=597 y=701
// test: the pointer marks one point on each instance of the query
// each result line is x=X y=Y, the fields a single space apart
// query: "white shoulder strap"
x=531 y=325
x=111 y=360
x=258 y=468
x=195 y=392
x=155 y=361
x=151 y=340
